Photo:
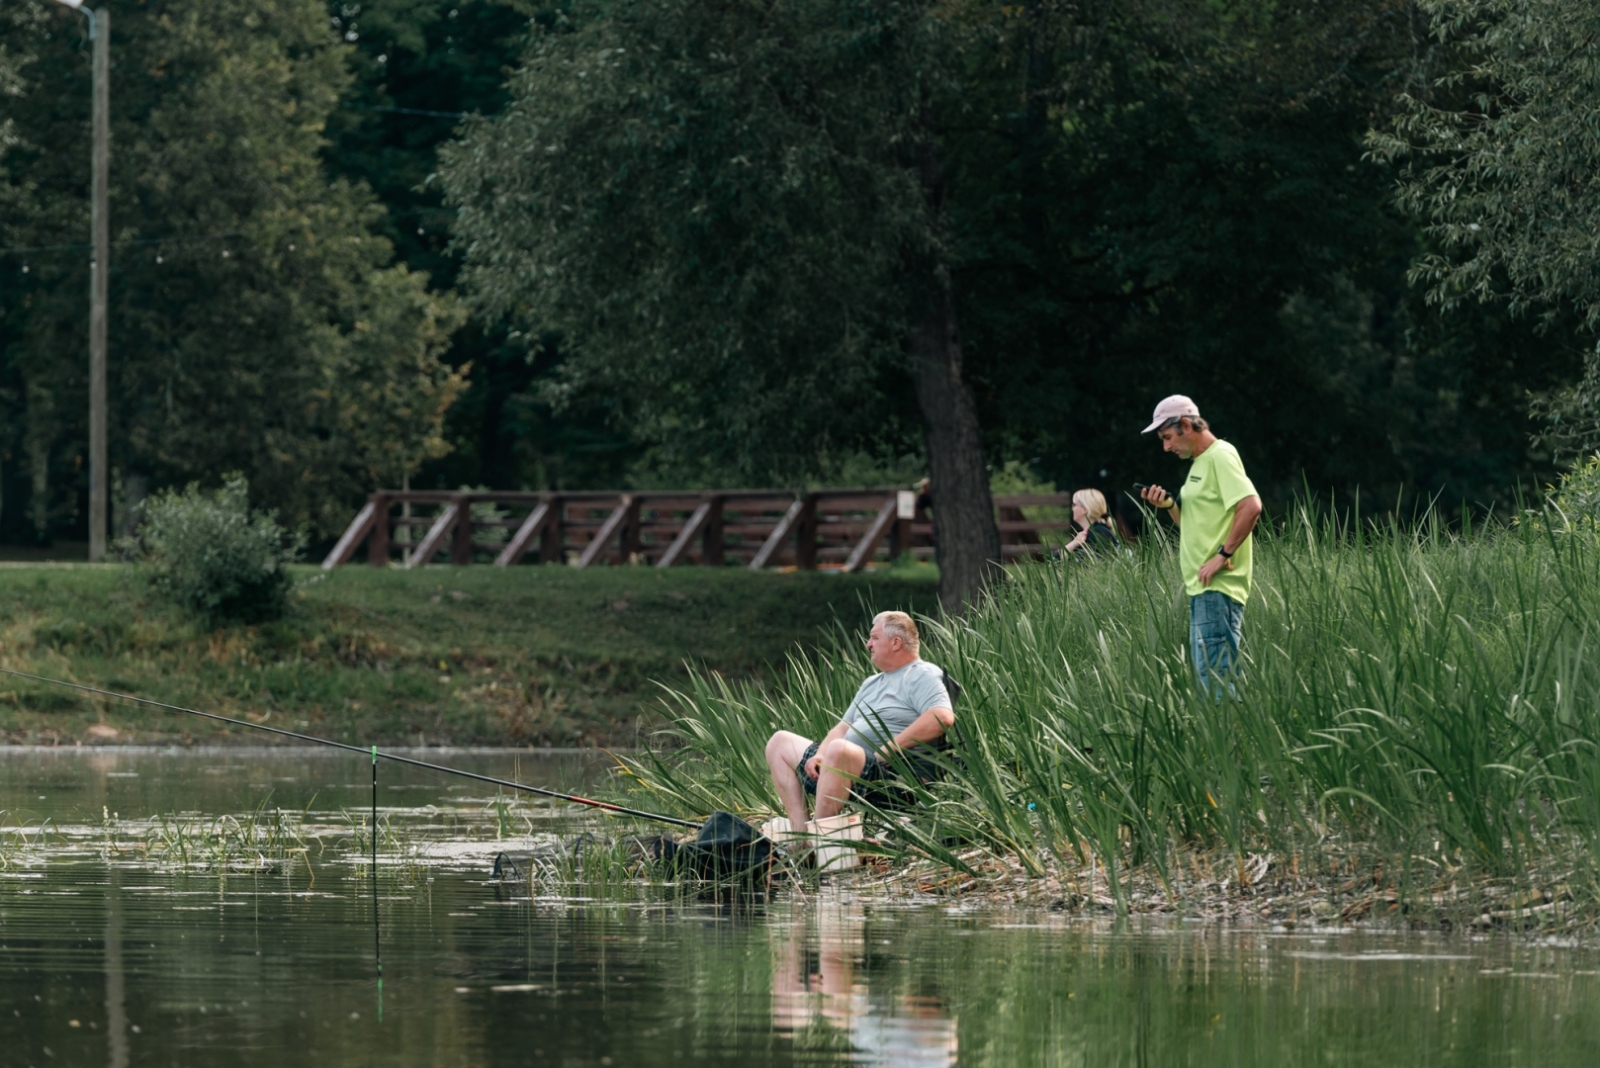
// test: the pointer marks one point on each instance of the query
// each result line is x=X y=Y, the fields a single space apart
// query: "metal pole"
x=100 y=30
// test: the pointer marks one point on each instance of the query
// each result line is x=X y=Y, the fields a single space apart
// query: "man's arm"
x=928 y=727
x=1245 y=514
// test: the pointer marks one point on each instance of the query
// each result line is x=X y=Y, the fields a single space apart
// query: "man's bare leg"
x=842 y=762
x=784 y=750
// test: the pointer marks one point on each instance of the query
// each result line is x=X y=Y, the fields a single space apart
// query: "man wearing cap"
x=1215 y=512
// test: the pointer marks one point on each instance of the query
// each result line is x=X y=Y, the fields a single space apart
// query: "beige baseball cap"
x=1174 y=407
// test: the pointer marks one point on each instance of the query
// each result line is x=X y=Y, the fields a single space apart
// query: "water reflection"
x=819 y=962
x=111 y=954
x=116 y=987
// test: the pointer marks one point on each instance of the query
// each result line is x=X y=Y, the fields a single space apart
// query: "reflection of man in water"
x=883 y=1030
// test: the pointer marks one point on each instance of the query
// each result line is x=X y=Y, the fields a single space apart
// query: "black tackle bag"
x=726 y=848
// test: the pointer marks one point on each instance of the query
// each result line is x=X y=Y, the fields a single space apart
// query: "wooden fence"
x=845 y=529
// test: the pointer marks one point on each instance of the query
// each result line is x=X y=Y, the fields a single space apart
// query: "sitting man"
x=906 y=704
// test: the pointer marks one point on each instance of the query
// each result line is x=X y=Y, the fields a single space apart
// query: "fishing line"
x=604 y=806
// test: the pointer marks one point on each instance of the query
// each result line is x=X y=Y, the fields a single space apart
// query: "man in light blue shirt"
x=904 y=705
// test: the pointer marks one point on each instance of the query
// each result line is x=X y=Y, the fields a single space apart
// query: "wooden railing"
x=844 y=529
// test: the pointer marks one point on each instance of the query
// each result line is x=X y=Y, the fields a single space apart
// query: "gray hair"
x=899 y=625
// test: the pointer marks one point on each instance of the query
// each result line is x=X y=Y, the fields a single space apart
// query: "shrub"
x=1575 y=502
x=208 y=553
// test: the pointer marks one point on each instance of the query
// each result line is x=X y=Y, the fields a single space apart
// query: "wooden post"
x=632 y=540
x=711 y=553
x=900 y=536
x=100 y=223
x=1011 y=513
x=378 y=543
x=552 y=543
x=402 y=533
x=461 y=545
x=805 y=534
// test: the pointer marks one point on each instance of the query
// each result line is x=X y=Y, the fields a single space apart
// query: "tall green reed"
x=1403 y=691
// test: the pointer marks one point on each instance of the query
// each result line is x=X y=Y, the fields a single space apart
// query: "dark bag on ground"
x=726 y=848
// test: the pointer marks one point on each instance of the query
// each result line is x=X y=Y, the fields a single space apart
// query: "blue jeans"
x=1214 y=622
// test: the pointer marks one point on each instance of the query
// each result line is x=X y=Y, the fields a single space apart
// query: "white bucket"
x=779 y=830
x=830 y=839
x=835 y=836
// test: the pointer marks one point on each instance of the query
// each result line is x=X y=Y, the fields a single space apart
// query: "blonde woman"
x=1095 y=532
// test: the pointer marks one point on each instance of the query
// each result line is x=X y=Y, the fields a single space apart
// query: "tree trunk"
x=963 y=509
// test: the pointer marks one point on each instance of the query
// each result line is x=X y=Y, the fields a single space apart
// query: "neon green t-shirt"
x=1216 y=483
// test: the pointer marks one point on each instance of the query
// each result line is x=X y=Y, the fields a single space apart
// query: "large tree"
x=734 y=217
x=1159 y=196
x=256 y=321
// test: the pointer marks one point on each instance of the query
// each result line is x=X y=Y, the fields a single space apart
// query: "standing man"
x=1215 y=512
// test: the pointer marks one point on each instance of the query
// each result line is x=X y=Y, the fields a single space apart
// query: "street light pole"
x=99 y=272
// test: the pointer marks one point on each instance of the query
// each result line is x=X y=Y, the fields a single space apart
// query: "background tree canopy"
x=256 y=321
x=1134 y=199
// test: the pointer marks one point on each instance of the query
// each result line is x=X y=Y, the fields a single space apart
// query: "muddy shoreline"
x=1264 y=889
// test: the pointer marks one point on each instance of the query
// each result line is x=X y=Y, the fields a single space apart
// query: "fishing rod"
x=375 y=752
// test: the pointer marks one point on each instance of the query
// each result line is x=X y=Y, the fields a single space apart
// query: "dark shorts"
x=874 y=771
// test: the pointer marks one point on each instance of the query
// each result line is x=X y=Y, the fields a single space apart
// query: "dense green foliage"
x=1141 y=197
x=1427 y=701
x=256 y=323
x=210 y=554
x=1138 y=197
x=1501 y=155
x=418 y=67
x=1507 y=155
x=1184 y=205
x=710 y=204
x=468 y=656
x=1574 y=500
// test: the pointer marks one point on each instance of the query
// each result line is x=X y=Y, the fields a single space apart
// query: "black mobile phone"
x=1140 y=486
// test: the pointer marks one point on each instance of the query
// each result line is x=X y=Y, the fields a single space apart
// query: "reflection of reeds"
x=1418 y=699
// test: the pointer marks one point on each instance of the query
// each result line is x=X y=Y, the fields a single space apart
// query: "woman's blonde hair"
x=1094 y=504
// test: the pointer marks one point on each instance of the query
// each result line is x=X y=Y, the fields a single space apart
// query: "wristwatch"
x=1224 y=553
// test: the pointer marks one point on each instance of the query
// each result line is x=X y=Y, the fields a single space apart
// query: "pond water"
x=123 y=941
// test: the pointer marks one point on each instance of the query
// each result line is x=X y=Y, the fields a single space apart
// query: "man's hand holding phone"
x=1154 y=495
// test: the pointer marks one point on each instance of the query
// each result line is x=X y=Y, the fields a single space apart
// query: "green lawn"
x=477 y=655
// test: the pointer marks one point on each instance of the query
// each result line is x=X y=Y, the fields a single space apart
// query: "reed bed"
x=1417 y=722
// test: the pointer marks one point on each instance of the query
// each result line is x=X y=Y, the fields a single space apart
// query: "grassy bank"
x=479 y=655
x=1417 y=732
